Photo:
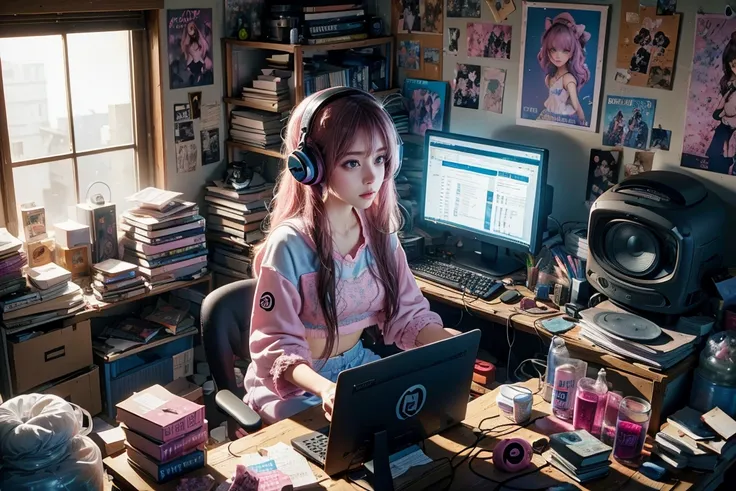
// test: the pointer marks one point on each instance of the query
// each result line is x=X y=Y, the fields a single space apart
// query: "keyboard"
x=457 y=278
x=313 y=445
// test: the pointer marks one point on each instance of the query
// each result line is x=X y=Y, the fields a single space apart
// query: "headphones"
x=306 y=163
x=512 y=455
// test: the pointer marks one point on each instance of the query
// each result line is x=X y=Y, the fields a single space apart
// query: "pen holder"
x=561 y=295
x=580 y=292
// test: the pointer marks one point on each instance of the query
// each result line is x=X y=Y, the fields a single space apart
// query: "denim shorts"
x=272 y=408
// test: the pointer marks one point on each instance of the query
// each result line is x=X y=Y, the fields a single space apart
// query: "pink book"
x=158 y=414
x=165 y=452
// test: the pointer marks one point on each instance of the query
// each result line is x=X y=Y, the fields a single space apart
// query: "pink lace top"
x=287 y=311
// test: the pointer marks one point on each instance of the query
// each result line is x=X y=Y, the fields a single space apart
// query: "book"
x=256 y=205
x=165 y=472
x=150 y=223
x=150 y=272
x=688 y=421
x=166 y=452
x=71 y=297
x=166 y=238
x=333 y=14
x=237 y=264
x=152 y=250
x=9 y=243
x=596 y=472
x=255 y=216
x=107 y=280
x=154 y=198
x=113 y=268
x=48 y=275
x=720 y=422
x=185 y=273
x=154 y=234
x=12 y=286
x=119 y=296
x=160 y=415
x=19 y=299
x=236 y=229
x=118 y=285
x=163 y=261
x=168 y=254
x=579 y=448
x=132 y=329
x=338 y=39
x=167 y=315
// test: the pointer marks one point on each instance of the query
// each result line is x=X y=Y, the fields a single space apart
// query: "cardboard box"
x=183 y=364
x=83 y=390
x=189 y=391
x=50 y=356
x=110 y=439
x=75 y=260
x=71 y=234
x=40 y=252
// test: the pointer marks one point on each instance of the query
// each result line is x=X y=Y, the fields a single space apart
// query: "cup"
x=631 y=430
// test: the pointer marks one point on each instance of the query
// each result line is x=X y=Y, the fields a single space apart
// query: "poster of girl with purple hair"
x=561 y=67
x=710 y=123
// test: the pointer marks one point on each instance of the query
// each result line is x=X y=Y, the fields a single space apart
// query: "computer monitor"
x=383 y=406
x=487 y=190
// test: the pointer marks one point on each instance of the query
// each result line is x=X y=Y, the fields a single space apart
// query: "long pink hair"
x=333 y=131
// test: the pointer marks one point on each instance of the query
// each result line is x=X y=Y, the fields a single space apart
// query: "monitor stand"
x=489 y=260
x=382 y=480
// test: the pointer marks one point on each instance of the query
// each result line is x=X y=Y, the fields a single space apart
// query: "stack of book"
x=164 y=433
x=576 y=242
x=270 y=90
x=51 y=295
x=341 y=22
x=115 y=280
x=393 y=102
x=165 y=238
x=579 y=455
x=349 y=68
x=173 y=316
x=695 y=440
x=234 y=217
x=256 y=128
x=12 y=262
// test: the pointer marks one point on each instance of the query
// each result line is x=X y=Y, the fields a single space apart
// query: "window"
x=71 y=119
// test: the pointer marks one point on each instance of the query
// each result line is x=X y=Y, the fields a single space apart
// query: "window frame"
x=140 y=75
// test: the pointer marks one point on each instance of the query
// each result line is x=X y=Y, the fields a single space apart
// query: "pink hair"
x=562 y=33
x=333 y=131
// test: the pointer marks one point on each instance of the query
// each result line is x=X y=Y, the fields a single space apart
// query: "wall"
x=192 y=183
x=569 y=149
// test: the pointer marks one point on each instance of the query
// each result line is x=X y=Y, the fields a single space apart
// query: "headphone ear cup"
x=306 y=165
x=399 y=157
x=316 y=164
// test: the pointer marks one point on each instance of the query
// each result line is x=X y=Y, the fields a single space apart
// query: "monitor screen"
x=490 y=189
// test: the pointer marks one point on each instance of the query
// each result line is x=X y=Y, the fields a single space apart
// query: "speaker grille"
x=631 y=248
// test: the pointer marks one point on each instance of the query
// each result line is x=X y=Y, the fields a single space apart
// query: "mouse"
x=511 y=296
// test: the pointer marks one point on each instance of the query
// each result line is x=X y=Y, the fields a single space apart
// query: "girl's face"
x=357 y=177
x=559 y=57
x=732 y=66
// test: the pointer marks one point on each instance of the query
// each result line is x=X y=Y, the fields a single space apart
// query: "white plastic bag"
x=44 y=446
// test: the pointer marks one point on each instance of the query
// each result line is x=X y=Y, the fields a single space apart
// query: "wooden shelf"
x=292 y=48
x=249 y=148
x=144 y=347
x=285 y=48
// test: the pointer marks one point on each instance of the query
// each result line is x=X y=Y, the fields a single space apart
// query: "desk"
x=662 y=388
x=221 y=465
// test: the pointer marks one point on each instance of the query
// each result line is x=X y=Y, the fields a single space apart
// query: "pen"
x=572 y=265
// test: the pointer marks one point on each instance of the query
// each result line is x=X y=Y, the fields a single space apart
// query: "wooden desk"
x=221 y=464
x=662 y=388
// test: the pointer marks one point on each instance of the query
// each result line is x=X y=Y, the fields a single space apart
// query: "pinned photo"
x=643 y=162
x=494 y=84
x=183 y=132
x=463 y=8
x=661 y=139
x=453 y=37
x=409 y=55
x=489 y=40
x=466 y=86
x=501 y=9
x=602 y=172
x=181 y=112
x=432 y=56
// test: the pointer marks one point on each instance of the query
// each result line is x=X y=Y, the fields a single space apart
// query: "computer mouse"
x=511 y=296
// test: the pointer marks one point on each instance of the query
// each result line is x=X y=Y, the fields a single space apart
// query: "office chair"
x=225 y=327
x=225 y=318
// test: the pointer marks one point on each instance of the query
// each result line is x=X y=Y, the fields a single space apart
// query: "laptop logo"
x=411 y=402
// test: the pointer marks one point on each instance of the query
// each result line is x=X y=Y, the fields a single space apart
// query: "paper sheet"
x=210 y=117
x=402 y=461
x=291 y=463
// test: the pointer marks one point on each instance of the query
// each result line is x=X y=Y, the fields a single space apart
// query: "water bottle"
x=557 y=353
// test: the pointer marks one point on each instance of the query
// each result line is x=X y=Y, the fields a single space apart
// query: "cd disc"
x=628 y=326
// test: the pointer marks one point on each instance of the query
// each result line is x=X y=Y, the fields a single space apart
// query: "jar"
x=631 y=430
x=610 y=416
x=587 y=401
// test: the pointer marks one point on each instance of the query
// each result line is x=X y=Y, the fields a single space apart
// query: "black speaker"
x=652 y=238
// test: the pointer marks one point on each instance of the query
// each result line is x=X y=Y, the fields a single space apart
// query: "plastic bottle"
x=557 y=353
x=564 y=392
x=602 y=388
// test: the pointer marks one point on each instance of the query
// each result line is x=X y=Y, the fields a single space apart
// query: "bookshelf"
x=386 y=43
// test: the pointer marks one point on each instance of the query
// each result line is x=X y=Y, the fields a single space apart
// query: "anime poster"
x=602 y=172
x=489 y=40
x=409 y=55
x=463 y=8
x=493 y=86
x=646 y=46
x=628 y=121
x=666 y=7
x=661 y=139
x=501 y=9
x=561 y=64
x=710 y=121
x=432 y=56
x=643 y=162
x=466 y=86
x=453 y=37
x=417 y=16
x=426 y=102
x=190 y=48
x=240 y=14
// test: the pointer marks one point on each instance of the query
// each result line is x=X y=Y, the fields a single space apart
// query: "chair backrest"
x=225 y=329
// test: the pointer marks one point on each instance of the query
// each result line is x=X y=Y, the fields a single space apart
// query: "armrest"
x=234 y=407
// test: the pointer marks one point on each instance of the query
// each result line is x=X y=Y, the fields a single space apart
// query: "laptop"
x=405 y=398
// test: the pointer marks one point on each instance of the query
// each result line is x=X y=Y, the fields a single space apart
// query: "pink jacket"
x=287 y=311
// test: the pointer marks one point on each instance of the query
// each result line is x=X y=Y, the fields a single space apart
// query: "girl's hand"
x=328 y=399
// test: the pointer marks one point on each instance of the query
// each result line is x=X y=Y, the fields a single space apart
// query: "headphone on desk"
x=306 y=163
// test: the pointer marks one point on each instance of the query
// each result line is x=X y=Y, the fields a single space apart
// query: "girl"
x=562 y=57
x=332 y=265
x=720 y=154
x=615 y=134
x=195 y=48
